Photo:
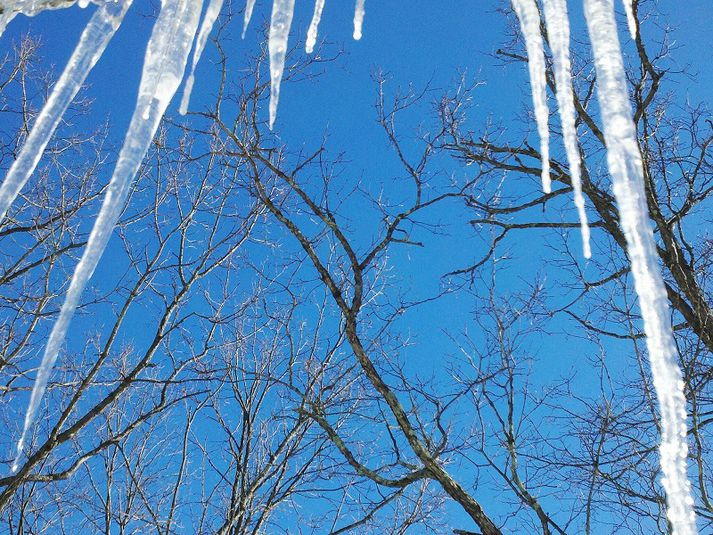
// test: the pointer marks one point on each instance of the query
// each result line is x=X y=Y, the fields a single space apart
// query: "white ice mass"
x=359 y=13
x=280 y=23
x=529 y=16
x=97 y=34
x=166 y=57
x=557 y=21
x=314 y=26
x=626 y=169
x=211 y=15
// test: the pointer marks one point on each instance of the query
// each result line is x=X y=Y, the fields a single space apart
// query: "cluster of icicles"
x=177 y=29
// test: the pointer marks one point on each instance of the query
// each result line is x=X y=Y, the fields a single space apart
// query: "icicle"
x=314 y=25
x=96 y=35
x=529 y=18
x=211 y=15
x=165 y=62
x=33 y=7
x=280 y=23
x=358 y=18
x=625 y=166
x=5 y=19
x=630 y=19
x=158 y=83
x=249 y=6
x=558 y=33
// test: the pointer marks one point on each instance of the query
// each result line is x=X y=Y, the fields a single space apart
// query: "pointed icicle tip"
x=557 y=21
x=359 y=12
x=211 y=15
x=249 y=6
x=630 y=19
x=314 y=26
x=164 y=65
x=529 y=16
x=96 y=35
x=280 y=22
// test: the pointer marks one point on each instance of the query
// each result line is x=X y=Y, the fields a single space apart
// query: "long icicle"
x=164 y=65
x=529 y=17
x=314 y=26
x=280 y=23
x=626 y=168
x=249 y=7
x=359 y=12
x=557 y=20
x=211 y=15
x=96 y=35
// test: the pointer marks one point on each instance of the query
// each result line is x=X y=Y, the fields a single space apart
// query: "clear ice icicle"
x=280 y=23
x=314 y=26
x=211 y=15
x=94 y=39
x=164 y=65
x=249 y=6
x=625 y=167
x=529 y=17
x=359 y=12
x=557 y=20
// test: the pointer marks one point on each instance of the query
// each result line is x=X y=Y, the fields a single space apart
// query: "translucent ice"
x=280 y=22
x=96 y=35
x=314 y=25
x=164 y=64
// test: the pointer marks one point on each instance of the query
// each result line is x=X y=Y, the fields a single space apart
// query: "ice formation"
x=359 y=12
x=211 y=15
x=625 y=167
x=97 y=34
x=249 y=7
x=557 y=21
x=313 y=26
x=529 y=17
x=164 y=65
x=630 y=19
x=280 y=22
x=11 y=8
